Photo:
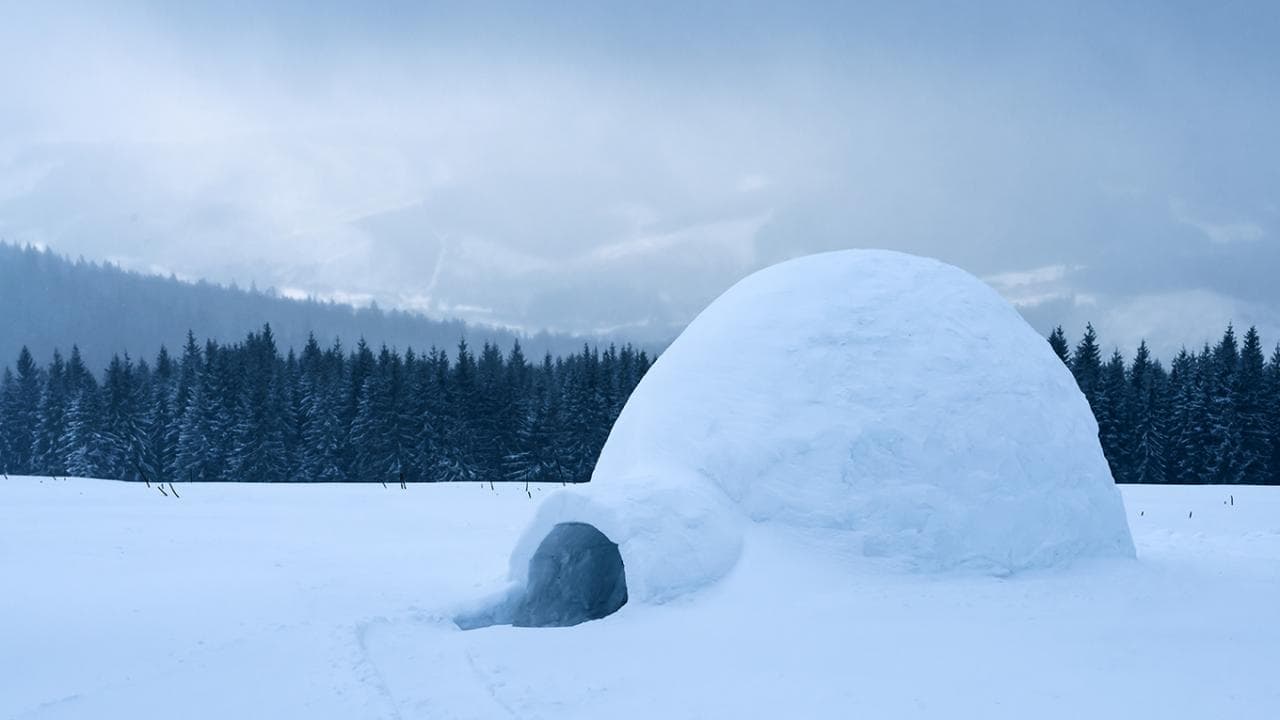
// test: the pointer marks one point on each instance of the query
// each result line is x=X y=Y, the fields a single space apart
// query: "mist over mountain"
x=51 y=302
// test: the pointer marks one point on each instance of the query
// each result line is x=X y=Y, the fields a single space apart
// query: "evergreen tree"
x=195 y=458
x=1111 y=411
x=260 y=424
x=1086 y=366
x=323 y=456
x=1251 y=411
x=1146 y=441
x=51 y=420
x=582 y=413
x=491 y=418
x=294 y=414
x=19 y=406
x=223 y=381
x=517 y=461
x=1188 y=458
x=544 y=435
x=6 y=455
x=1272 y=403
x=1226 y=440
x=121 y=422
x=81 y=445
x=188 y=373
x=160 y=449
x=429 y=404
x=381 y=439
x=457 y=453
x=1058 y=341
x=361 y=367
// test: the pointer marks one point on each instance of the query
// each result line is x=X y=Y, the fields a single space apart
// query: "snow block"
x=673 y=531
x=895 y=403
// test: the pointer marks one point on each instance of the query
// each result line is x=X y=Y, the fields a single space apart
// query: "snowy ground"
x=324 y=601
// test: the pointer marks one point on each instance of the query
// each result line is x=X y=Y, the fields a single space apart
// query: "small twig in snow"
x=137 y=466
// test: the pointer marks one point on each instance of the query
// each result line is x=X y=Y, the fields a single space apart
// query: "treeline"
x=245 y=412
x=1212 y=417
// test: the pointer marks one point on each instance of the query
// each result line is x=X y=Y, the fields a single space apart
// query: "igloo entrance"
x=575 y=575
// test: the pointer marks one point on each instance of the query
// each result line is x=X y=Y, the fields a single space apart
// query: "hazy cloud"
x=597 y=166
x=1219 y=233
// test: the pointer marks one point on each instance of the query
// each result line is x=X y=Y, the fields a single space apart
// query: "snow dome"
x=893 y=404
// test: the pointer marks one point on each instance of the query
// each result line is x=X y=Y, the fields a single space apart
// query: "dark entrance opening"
x=575 y=575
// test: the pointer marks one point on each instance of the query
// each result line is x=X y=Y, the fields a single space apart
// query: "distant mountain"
x=48 y=301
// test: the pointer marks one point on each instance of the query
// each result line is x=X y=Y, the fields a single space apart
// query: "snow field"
x=336 y=601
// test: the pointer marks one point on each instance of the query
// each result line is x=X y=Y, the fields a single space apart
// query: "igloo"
x=894 y=404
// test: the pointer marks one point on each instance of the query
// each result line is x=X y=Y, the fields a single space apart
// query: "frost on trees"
x=886 y=404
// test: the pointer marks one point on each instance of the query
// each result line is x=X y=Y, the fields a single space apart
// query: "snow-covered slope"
x=892 y=404
x=252 y=601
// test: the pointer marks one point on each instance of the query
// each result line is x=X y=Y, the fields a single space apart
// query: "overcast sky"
x=595 y=167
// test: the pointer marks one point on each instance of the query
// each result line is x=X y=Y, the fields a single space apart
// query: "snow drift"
x=891 y=404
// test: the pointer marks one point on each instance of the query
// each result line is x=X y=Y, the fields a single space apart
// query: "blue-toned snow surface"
x=332 y=601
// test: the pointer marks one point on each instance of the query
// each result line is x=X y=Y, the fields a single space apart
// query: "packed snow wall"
x=895 y=402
